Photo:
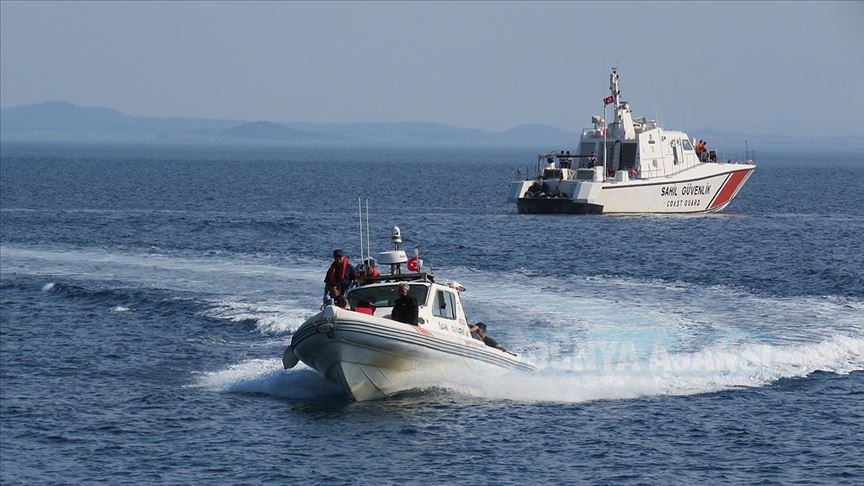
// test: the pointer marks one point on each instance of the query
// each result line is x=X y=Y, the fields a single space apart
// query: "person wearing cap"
x=478 y=331
x=340 y=273
x=405 y=308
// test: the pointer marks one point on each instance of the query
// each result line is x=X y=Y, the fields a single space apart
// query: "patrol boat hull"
x=375 y=357
x=705 y=188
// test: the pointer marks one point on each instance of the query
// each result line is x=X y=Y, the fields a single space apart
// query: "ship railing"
x=565 y=160
x=731 y=157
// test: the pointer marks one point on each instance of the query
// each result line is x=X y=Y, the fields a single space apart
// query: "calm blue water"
x=147 y=294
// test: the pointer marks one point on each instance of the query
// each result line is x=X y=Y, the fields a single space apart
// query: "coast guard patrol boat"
x=630 y=166
x=373 y=356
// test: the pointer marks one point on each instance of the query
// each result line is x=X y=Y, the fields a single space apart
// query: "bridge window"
x=686 y=144
x=552 y=174
x=628 y=156
x=444 y=305
x=385 y=296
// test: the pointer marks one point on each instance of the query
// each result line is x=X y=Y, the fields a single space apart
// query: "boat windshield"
x=386 y=295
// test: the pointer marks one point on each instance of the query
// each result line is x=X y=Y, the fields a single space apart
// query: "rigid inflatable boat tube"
x=289 y=359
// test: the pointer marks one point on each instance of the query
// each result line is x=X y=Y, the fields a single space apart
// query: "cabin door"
x=612 y=156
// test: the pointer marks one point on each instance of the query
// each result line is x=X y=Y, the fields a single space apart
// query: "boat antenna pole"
x=360 y=217
x=605 y=134
x=616 y=93
x=368 y=246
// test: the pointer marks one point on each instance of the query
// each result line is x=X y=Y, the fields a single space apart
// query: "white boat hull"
x=705 y=188
x=373 y=357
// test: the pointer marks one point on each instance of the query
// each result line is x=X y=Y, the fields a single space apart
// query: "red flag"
x=608 y=100
x=412 y=264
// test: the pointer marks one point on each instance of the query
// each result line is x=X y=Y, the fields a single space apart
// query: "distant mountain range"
x=65 y=122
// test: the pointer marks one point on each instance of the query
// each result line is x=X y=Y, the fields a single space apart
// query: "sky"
x=792 y=68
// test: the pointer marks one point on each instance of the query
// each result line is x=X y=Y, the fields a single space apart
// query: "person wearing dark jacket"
x=478 y=331
x=334 y=296
x=405 y=308
x=340 y=273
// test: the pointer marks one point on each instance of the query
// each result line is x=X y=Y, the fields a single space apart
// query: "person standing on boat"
x=340 y=273
x=405 y=308
x=592 y=160
x=700 y=147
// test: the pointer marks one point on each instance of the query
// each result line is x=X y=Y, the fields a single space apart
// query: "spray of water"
x=597 y=338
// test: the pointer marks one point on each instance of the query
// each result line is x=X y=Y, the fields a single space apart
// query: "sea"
x=148 y=292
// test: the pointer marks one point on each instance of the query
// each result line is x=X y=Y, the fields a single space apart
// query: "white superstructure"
x=630 y=166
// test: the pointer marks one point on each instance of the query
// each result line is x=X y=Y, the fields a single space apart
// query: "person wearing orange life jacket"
x=340 y=273
x=700 y=147
x=367 y=271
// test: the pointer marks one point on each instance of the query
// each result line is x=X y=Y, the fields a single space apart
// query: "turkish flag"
x=608 y=100
x=413 y=264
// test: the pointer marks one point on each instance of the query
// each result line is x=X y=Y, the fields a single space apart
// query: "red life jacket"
x=335 y=274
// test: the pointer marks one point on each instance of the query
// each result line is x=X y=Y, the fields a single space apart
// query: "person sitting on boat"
x=340 y=273
x=335 y=297
x=365 y=307
x=536 y=190
x=405 y=308
x=478 y=331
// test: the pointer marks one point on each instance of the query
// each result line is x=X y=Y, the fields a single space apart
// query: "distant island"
x=58 y=121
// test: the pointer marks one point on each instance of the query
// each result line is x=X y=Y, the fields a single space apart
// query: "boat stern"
x=517 y=190
x=559 y=205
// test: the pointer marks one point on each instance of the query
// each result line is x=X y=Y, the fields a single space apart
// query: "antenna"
x=360 y=214
x=368 y=246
